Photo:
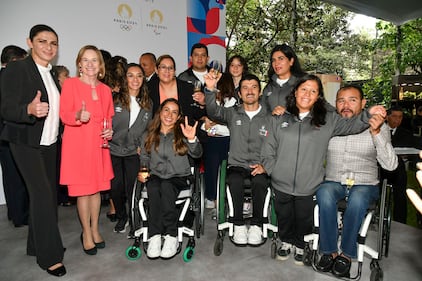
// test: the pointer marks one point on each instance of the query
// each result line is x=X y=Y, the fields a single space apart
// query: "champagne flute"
x=197 y=87
x=350 y=179
x=217 y=66
x=144 y=169
x=105 y=126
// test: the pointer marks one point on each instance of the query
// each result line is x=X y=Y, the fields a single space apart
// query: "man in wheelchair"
x=247 y=123
x=351 y=173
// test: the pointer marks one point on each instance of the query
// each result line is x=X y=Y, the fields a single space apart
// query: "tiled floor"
x=403 y=263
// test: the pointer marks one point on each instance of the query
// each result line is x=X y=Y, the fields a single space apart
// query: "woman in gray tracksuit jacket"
x=283 y=73
x=133 y=112
x=293 y=155
x=166 y=149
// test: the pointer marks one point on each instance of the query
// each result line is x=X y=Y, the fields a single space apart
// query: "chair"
x=190 y=201
x=378 y=213
x=225 y=210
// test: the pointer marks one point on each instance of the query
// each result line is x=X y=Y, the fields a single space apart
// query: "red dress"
x=85 y=166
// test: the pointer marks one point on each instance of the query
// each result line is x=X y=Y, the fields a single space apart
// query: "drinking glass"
x=197 y=87
x=217 y=66
x=350 y=179
x=144 y=169
x=105 y=126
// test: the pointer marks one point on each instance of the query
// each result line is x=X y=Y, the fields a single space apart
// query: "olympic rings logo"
x=125 y=27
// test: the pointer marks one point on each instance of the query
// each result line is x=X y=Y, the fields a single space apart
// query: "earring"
x=80 y=71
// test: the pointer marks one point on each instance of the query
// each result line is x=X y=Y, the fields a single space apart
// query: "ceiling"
x=395 y=11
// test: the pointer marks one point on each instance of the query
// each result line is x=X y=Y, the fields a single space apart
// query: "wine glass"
x=144 y=169
x=217 y=66
x=350 y=179
x=105 y=126
x=197 y=87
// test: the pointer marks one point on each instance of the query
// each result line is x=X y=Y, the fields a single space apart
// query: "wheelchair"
x=225 y=211
x=190 y=204
x=379 y=213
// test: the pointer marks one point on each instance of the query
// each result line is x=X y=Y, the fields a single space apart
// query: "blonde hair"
x=101 y=73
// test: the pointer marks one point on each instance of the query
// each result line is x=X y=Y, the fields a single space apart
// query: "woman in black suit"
x=169 y=86
x=30 y=107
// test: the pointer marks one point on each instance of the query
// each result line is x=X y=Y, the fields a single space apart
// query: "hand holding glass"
x=197 y=87
x=144 y=170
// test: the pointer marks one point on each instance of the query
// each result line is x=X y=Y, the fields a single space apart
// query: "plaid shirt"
x=359 y=154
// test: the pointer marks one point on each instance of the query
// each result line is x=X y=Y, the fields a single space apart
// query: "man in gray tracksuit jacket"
x=248 y=125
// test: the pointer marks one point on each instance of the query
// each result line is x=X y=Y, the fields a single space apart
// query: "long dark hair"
x=142 y=98
x=295 y=69
x=318 y=110
x=153 y=136
x=242 y=61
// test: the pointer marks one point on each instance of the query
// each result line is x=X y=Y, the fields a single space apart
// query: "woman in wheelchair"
x=166 y=148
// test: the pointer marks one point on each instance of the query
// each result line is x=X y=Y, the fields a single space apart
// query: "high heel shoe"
x=92 y=251
x=100 y=245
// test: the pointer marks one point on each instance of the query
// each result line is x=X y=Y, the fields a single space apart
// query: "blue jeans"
x=359 y=198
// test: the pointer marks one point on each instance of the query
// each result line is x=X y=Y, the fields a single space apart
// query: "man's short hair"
x=352 y=86
x=249 y=77
x=394 y=108
x=198 y=46
x=11 y=53
x=151 y=55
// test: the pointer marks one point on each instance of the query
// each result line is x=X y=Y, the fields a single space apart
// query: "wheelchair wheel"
x=188 y=254
x=376 y=272
x=387 y=225
x=133 y=253
x=218 y=246
x=199 y=201
x=273 y=250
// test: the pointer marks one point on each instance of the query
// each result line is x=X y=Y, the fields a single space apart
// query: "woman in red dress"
x=86 y=109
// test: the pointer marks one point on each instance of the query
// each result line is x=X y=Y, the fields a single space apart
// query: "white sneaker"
x=283 y=252
x=169 y=247
x=154 y=247
x=299 y=256
x=240 y=235
x=255 y=235
x=209 y=204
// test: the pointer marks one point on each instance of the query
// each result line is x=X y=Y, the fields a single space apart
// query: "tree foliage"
x=317 y=31
x=394 y=54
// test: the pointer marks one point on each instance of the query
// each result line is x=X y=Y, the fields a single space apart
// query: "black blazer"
x=19 y=84
x=404 y=138
x=184 y=96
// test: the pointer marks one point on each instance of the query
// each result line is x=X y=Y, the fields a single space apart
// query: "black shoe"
x=92 y=251
x=131 y=234
x=341 y=267
x=121 y=226
x=325 y=263
x=111 y=217
x=58 y=272
x=100 y=245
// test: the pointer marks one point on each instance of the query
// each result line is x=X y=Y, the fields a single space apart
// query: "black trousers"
x=294 y=217
x=14 y=188
x=162 y=195
x=125 y=172
x=38 y=169
x=236 y=180
x=398 y=179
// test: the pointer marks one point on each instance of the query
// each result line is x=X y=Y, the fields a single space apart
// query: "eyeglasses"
x=168 y=68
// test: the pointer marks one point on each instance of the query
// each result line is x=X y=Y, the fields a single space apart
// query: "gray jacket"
x=126 y=140
x=294 y=152
x=274 y=94
x=246 y=135
x=165 y=163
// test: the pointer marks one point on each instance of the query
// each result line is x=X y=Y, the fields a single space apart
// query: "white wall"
x=127 y=28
